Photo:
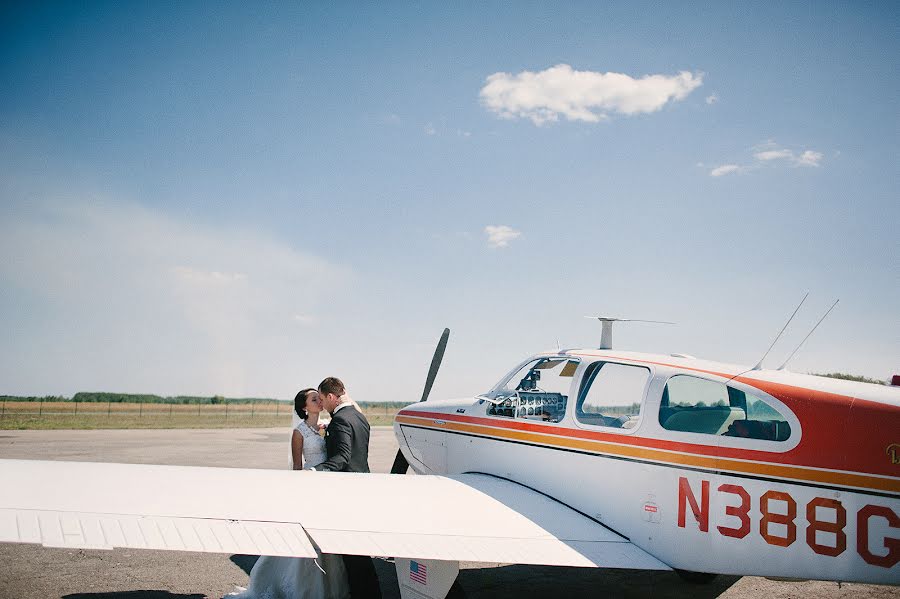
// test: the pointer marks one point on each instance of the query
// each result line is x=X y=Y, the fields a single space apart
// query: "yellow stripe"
x=666 y=456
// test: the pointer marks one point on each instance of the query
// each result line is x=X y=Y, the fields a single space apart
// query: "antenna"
x=606 y=331
x=808 y=334
x=759 y=364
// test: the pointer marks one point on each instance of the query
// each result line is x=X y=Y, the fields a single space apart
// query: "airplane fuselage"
x=804 y=486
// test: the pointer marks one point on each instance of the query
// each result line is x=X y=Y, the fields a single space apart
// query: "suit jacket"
x=346 y=442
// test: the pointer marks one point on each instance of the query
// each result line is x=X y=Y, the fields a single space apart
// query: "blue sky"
x=242 y=199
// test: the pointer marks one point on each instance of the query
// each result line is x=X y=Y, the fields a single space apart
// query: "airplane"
x=595 y=458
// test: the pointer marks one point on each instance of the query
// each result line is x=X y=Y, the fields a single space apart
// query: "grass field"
x=95 y=415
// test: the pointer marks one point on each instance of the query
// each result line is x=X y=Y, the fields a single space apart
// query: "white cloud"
x=725 y=169
x=810 y=158
x=430 y=129
x=499 y=236
x=770 y=153
x=207 y=277
x=589 y=96
x=773 y=155
x=304 y=320
x=164 y=305
x=712 y=98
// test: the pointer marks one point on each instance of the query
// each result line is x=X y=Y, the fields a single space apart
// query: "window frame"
x=588 y=376
x=726 y=441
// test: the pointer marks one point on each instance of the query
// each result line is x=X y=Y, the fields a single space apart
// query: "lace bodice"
x=313 y=446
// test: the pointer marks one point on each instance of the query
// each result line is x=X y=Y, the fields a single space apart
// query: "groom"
x=347 y=450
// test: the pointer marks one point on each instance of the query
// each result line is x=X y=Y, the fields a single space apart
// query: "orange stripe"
x=756 y=468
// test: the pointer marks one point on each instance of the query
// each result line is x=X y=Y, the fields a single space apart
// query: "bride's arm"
x=297 y=449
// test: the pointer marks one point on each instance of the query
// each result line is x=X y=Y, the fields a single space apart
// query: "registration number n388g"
x=821 y=515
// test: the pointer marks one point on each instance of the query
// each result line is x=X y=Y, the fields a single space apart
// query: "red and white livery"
x=590 y=458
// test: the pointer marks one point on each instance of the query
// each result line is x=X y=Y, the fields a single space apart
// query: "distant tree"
x=850 y=377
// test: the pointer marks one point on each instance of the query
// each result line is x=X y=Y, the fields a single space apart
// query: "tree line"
x=106 y=397
x=851 y=377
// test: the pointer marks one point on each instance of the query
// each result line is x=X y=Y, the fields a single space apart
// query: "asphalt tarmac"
x=34 y=572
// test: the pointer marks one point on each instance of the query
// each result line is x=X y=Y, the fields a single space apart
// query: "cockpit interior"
x=538 y=391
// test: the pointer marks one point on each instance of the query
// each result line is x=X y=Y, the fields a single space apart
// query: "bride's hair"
x=300 y=403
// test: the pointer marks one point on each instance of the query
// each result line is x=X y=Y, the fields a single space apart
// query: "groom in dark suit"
x=347 y=450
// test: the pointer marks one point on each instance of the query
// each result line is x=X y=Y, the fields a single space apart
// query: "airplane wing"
x=469 y=517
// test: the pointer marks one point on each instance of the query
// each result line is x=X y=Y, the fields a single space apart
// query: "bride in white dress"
x=298 y=577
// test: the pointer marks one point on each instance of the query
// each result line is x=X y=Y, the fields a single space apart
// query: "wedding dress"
x=299 y=577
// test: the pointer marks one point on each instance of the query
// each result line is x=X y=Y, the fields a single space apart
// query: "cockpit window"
x=695 y=405
x=611 y=394
x=537 y=391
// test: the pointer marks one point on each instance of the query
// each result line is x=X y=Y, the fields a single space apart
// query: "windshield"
x=552 y=374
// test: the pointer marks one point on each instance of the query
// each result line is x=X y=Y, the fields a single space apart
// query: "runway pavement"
x=33 y=572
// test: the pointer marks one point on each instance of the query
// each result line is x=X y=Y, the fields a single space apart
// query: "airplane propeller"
x=400 y=464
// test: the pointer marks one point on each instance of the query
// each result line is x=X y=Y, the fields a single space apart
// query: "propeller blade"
x=400 y=464
x=435 y=363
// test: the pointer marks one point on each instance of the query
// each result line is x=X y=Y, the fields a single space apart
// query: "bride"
x=299 y=577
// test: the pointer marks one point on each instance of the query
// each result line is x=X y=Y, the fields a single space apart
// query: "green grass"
x=379 y=419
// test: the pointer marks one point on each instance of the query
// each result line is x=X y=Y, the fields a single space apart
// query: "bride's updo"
x=300 y=403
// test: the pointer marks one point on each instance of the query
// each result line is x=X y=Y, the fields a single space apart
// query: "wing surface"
x=469 y=517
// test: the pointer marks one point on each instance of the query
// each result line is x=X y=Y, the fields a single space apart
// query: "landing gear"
x=456 y=591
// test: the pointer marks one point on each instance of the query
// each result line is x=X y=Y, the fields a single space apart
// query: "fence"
x=88 y=413
x=224 y=409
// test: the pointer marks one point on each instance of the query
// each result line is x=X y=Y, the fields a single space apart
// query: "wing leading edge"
x=469 y=517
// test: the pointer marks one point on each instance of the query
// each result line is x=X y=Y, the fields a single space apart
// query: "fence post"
x=108 y=407
x=3 y=413
x=226 y=409
x=140 y=409
x=198 y=407
x=76 y=405
x=277 y=408
x=252 y=408
x=41 y=409
x=170 y=409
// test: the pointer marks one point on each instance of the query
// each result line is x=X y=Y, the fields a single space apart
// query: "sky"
x=244 y=198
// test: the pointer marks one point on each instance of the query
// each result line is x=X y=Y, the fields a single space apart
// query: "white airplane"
x=577 y=457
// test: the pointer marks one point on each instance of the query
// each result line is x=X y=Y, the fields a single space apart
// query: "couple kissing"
x=345 y=448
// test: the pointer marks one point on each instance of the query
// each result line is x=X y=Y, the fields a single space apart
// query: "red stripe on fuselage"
x=822 y=447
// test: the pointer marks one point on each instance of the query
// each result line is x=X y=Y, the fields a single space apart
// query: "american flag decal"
x=418 y=572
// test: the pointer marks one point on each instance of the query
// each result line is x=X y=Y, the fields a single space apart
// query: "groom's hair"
x=332 y=385
x=300 y=403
